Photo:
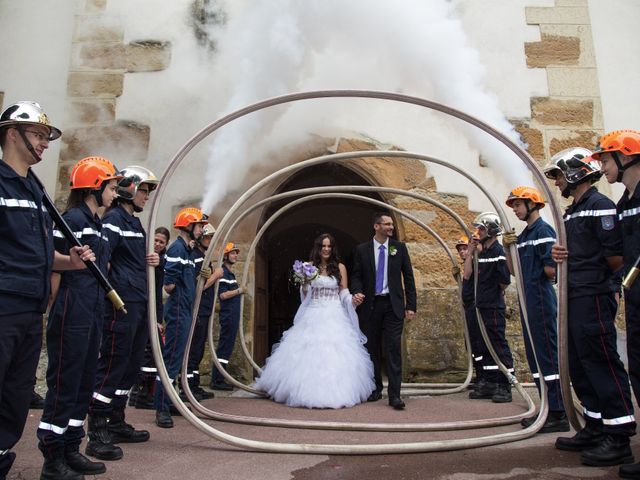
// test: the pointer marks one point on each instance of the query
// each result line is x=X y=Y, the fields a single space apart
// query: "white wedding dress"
x=321 y=361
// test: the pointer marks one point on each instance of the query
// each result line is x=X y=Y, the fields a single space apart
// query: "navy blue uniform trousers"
x=597 y=373
x=494 y=323
x=20 y=345
x=121 y=355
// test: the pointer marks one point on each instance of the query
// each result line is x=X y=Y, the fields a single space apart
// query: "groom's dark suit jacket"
x=363 y=278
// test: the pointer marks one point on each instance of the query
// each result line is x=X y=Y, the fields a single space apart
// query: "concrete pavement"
x=185 y=453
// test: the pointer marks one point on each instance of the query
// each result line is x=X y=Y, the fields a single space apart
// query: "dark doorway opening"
x=291 y=237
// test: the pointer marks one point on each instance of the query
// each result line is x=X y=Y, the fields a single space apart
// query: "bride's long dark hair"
x=333 y=268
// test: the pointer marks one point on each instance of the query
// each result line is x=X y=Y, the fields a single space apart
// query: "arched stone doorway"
x=290 y=238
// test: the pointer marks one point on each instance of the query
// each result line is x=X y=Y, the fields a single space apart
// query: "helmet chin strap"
x=136 y=208
x=98 y=194
x=27 y=143
x=623 y=168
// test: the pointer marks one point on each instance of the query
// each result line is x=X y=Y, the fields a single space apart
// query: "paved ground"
x=185 y=453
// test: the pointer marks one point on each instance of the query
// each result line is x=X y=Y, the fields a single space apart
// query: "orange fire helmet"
x=230 y=247
x=525 y=193
x=91 y=172
x=188 y=216
x=626 y=142
x=463 y=240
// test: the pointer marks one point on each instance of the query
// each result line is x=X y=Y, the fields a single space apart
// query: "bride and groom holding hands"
x=331 y=356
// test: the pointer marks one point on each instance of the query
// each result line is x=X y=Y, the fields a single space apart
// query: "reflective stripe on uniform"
x=17 y=203
x=491 y=259
x=591 y=213
x=122 y=233
x=629 y=213
x=548 y=378
x=85 y=231
x=148 y=369
x=224 y=280
x=52 y=428
x=619 y=420
x=101 y=398
x=76 y=423
x=588 y=413
x=180 y=260
x=536 y=242
x=122 y=392
x=222 y=360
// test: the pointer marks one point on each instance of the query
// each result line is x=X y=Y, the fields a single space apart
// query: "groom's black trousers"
x=383 y=323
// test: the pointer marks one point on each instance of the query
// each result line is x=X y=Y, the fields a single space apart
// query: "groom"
x=379 y=268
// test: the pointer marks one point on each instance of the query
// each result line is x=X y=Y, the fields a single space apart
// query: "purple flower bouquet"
x=303 y=273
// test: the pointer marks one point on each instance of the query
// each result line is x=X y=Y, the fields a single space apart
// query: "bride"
x=321 y=361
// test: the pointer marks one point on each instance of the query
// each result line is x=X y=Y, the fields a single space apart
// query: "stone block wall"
x=100 y=60
x=572 y=114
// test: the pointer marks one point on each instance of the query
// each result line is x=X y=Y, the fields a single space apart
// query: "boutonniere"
x=392 y=250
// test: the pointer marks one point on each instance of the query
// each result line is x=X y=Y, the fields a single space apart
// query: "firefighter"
x=125 y=334
x=493 y=279
x=538 y=273
x=27 y=258
x=619 y=155
x=204 y=313
x=74 y=326
x=180 y=284
x=471 y=317
x=230 y=295
x=594 y=255
x=141 y=395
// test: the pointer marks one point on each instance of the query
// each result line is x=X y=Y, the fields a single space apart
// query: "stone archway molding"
x=357 y=449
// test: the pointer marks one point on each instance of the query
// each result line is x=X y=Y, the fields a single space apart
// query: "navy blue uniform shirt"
x=206 y=302
x=629 y=216
x=159 y=283
x=26 y=253
x=534 y=250
x=593 y=233
x=468 y=293
x=492 y=271
x=231 y=306
x=87 y=228
x=180 y=270
x=128 y=244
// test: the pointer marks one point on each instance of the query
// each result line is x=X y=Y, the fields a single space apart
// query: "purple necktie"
x=380 y=270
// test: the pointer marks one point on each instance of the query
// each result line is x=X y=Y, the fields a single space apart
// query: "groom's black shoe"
x=375 y=396
x=397 y=403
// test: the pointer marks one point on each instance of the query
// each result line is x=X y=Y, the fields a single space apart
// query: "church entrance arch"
x=291 y=237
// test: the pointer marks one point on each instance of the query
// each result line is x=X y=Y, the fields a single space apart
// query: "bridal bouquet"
x=303 y=273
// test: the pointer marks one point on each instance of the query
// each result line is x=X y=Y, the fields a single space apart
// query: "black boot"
x=612 y=450
x=144 y=400
x=163 y=419
x=133 y=395
x=588 y=437
x=482 y=390
x=57 y=469
x=37 y=402
x=100 y=443
x=502 y=393
x=556 y=422
x=81 y=464
x=6 y=460
x=630 y=471
x=122 y=432
x=198 y=391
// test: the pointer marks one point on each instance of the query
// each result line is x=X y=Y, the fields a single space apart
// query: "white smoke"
x=415 y=47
